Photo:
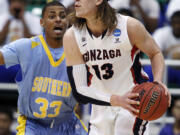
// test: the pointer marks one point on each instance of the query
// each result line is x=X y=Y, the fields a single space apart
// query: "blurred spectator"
x=17 y=23
x=174 y=128
x=67 y=3
x=6 y=119
x=174 y=5
x=168 y=37
x=125 y=11
x=3 y=6
x=163 y=9
x=146 y=11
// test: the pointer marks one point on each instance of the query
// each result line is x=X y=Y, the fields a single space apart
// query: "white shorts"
x=106 y=120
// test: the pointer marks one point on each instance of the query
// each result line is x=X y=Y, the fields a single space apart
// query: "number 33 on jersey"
x=47 y=107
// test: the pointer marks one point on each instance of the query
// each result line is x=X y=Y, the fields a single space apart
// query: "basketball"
x=153 y=101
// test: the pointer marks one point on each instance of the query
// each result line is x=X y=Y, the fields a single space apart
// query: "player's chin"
x=58 y=35
x=79 y=15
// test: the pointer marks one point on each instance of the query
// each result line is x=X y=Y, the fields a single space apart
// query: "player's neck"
x=54 y=43
x=96 y=27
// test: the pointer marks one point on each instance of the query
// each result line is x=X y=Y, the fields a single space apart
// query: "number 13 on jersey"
x=108 y=68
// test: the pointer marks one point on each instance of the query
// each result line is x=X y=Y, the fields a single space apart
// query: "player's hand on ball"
x=167 y=93
x=153 y=100
x=126 y=101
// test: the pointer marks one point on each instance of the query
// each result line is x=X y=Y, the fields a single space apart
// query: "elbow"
x=79 y=96
x=156 y=54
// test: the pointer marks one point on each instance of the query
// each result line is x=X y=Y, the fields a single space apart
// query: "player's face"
x=86 y=8
x=54 y=22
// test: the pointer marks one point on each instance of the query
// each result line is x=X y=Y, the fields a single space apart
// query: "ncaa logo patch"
x=117 y=32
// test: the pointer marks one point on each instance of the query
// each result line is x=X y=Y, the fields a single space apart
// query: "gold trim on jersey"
x=34 y=44
x=22 y=125
x=82 y=123
x=53 y=63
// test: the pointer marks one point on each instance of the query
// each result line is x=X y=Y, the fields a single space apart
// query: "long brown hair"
x=105 y=12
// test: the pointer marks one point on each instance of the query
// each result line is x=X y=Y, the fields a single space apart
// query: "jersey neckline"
x=92 y=36
x=48 y=53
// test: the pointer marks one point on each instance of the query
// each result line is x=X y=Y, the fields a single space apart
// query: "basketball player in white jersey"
x=102 y=52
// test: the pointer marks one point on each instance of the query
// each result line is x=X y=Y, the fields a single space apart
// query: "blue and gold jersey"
x=44 y=90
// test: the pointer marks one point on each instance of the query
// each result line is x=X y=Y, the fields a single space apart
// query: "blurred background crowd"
x=20 y=19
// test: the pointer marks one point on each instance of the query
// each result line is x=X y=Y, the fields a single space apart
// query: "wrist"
x=114 y=100
x=157 y=80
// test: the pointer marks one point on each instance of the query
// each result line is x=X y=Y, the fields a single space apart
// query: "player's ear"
x=42 y=22
x=98 y=2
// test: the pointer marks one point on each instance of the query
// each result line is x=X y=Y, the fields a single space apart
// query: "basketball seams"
x=135 y=92
x=158 y=103
x=151 y=96
x=145 y=98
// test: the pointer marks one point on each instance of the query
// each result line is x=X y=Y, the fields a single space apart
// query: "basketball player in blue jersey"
x=104 y=47
x=45 y=101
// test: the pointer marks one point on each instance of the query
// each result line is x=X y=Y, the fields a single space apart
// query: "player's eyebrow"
x=51 y=11
x=61 y=12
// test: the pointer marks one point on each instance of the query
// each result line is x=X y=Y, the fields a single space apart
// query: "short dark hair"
x=175 y=14
x=53 y=3
x=7 y=111
x=24 y=1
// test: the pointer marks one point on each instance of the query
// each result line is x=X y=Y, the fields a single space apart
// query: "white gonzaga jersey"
x=112 y=61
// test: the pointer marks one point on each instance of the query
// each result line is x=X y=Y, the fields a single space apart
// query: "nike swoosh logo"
x=84 y=44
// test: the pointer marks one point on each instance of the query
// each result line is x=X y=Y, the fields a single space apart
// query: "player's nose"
x=58 y=19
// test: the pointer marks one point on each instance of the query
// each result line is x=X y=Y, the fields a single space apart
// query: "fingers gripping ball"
x=153 y=101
